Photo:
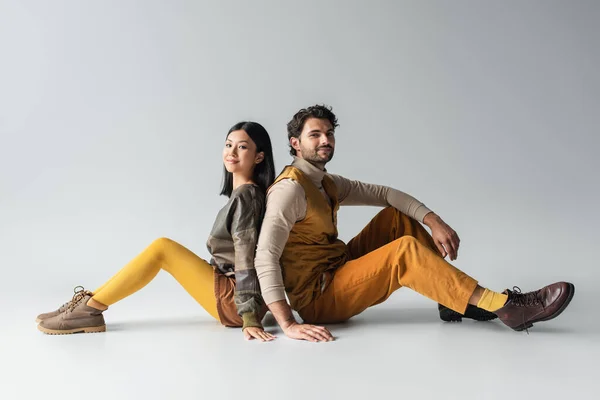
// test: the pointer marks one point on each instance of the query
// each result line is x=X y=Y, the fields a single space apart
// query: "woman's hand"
x=254 y=332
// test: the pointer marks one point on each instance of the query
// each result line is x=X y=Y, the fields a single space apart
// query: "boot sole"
x=448 y=315
x=548 y=318
x=89 y=329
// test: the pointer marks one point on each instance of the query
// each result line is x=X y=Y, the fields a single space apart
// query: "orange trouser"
x=392 y=251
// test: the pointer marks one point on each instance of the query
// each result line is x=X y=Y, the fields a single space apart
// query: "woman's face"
x=239 y=153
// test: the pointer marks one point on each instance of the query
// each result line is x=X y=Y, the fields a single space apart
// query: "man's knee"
x=389 y=213
x=407 y=243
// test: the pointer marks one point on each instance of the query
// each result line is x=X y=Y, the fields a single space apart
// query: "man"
x=328 y=281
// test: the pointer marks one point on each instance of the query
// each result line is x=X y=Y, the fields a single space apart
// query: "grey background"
x=113 y=116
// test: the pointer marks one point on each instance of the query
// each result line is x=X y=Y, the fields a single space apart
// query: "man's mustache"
x=325 y=147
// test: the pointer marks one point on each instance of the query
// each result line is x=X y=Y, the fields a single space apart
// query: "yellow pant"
x=391 y=251
x=192 y=272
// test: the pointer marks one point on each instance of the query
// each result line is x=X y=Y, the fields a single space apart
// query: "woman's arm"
x=245 y=223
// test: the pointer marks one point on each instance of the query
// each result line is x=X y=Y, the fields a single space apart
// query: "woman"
x=227 y=287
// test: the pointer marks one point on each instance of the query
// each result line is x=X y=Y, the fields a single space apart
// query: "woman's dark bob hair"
x=264 y=173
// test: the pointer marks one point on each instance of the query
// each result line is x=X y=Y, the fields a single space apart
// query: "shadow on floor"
x=373 y=317
x=390 y=317
x=162 y=323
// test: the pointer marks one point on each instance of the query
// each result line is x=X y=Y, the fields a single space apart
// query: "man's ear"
x=295 y=143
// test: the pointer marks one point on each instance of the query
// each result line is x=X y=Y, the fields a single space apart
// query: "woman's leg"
x=84 y=312
x=192 y=272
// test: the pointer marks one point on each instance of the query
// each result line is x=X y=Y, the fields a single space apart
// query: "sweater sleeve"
x=286 y=204
x=245 y=225
x=355 y=193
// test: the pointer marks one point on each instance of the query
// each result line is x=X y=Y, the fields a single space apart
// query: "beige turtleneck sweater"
x=286 y=204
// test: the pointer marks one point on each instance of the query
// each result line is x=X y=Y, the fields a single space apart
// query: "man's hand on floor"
x=312 y=333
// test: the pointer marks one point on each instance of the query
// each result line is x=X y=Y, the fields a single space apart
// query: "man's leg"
x=370 y=279
x=389 y=225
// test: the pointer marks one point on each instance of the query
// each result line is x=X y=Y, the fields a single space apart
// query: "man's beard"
x=313 y=155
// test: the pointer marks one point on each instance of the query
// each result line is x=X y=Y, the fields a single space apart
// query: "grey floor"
x=159 y=345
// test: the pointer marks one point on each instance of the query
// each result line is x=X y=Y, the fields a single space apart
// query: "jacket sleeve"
x=245 y=225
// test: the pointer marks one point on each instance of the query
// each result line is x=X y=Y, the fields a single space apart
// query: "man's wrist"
x=288 y=323
x=431 y=218
x=282 y=312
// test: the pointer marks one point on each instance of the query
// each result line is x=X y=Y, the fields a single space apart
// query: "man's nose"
x=325 y=140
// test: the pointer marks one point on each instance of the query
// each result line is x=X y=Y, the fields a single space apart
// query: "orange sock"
x=491 y=301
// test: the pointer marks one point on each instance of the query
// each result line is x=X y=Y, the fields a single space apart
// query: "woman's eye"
x=227 y=145
x=243 y=147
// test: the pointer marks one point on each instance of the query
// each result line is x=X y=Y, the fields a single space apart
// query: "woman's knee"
x=159 y=246
x=161 y=241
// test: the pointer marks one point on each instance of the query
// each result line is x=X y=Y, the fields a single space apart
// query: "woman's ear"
x=259 y=157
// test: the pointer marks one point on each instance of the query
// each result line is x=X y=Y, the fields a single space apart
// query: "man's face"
x=316 y=142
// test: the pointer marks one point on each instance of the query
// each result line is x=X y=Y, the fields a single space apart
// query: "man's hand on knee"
x=445 y=238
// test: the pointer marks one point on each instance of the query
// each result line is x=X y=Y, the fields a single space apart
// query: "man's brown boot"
x=78 y=317
x=522 y=310
x=79 y=293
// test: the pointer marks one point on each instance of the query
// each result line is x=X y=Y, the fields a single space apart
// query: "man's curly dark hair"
x=295 y=126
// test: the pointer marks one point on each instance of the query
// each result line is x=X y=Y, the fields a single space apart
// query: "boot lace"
x=529 y=299
x=80 y=293
x=521 y=299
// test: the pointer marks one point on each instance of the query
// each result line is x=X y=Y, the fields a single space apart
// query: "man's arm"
x=286 y=204
x=356 y=193
x=352 y=192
